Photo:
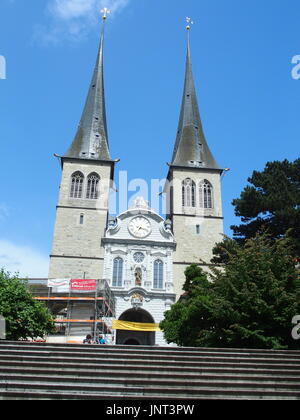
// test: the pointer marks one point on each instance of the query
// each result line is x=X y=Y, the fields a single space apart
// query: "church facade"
x=140 y=254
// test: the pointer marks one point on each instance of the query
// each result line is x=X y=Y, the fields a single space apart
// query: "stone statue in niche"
x=138 y=277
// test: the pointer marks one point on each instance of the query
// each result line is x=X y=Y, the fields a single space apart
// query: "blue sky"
x=249 y=102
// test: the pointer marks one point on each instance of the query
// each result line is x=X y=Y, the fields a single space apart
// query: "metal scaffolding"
x=78 y=313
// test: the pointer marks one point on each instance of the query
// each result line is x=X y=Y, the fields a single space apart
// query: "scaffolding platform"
x=77 y=313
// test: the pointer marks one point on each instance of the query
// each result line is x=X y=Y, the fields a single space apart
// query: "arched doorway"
x=131 y=342
x=145 y=338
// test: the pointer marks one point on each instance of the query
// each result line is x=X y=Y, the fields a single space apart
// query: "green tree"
x=271 y=202
x=25 y=317
x=223 y=249
x=182 y=322
x=249 y=304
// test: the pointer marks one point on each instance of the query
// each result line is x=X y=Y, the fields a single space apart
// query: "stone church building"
x=141 y=255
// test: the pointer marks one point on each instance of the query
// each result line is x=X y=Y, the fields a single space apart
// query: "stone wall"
x=77 y=241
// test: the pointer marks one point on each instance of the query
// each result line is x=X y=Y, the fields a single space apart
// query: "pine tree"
x=249 y=303
x=271 y=202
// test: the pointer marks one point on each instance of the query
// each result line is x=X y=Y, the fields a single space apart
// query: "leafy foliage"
x=223 y=250
x=249 y=304
x=25 y=317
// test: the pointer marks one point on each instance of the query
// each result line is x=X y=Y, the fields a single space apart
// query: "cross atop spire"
x=191 y=148
x=91 y=139
x=105 y=12
x=189 y=23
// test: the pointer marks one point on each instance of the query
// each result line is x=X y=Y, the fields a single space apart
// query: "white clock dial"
x=139 y=227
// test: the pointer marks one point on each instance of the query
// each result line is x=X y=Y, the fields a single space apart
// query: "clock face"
x=139 y=227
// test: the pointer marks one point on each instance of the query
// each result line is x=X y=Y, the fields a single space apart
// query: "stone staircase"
x=90 y=372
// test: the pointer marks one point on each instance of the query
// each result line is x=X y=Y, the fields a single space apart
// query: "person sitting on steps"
x=101 y=340
x=88 y=339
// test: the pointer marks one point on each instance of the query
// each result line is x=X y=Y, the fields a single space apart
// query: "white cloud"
x=25 y=260
x=74 y=19
x=4 y=213
x=71 y=9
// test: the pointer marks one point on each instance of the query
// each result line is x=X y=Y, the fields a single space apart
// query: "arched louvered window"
x=206 y=195
x=117 y=272
x=158 y=274
x=188 y=193
x=92 y=190
x=76 y=185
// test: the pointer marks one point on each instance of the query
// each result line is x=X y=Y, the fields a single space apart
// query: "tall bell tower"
x=87 y=172
x=193 y=188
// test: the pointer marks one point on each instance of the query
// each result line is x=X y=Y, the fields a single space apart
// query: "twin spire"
x=191 y=148
x=91 y=139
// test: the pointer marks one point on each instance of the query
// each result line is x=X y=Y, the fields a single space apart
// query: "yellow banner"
x=134 y=326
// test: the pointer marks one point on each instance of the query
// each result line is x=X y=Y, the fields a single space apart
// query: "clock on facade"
x=139 y=227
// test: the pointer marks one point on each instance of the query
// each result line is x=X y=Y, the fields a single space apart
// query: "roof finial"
x=189 y=23
x=105 y=12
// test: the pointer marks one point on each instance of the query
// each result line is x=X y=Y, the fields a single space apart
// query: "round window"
x=138 y=257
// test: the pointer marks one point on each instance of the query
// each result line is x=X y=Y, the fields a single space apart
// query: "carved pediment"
x=119 y=251
x=159 y=254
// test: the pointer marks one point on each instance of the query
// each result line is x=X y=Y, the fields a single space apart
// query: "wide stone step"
x=152 y=380
x=100 y=372
x=146 y=351
x=139 y=364
x=16 y=344
x=117 y=369
x=159 y=399
x=16 y=354
x=50 y=371
x=139 y=391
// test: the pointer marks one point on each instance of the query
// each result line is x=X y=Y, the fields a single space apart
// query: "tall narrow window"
x=158 y=274
x=81 y=219
x=117 y=272
x=188 y=193
x=92 y=190
x=206 y=195
x=76 y=185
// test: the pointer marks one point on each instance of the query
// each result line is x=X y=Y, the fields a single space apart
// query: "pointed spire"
x=91 y=139
x=191 y=148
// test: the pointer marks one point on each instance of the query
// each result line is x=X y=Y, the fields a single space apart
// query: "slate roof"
x=91 y=139
x=191 y=148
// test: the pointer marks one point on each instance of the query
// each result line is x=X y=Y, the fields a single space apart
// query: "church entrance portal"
x=144 y=338
x=131 y=342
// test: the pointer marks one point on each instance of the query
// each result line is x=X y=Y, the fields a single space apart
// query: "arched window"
x=158 y=274
x=188 y=193
x=92 y=190
x=206 y=195
x=117 y=272
x=76 y=185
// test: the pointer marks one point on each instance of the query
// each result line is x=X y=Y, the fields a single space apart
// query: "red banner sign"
x=80 y=285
